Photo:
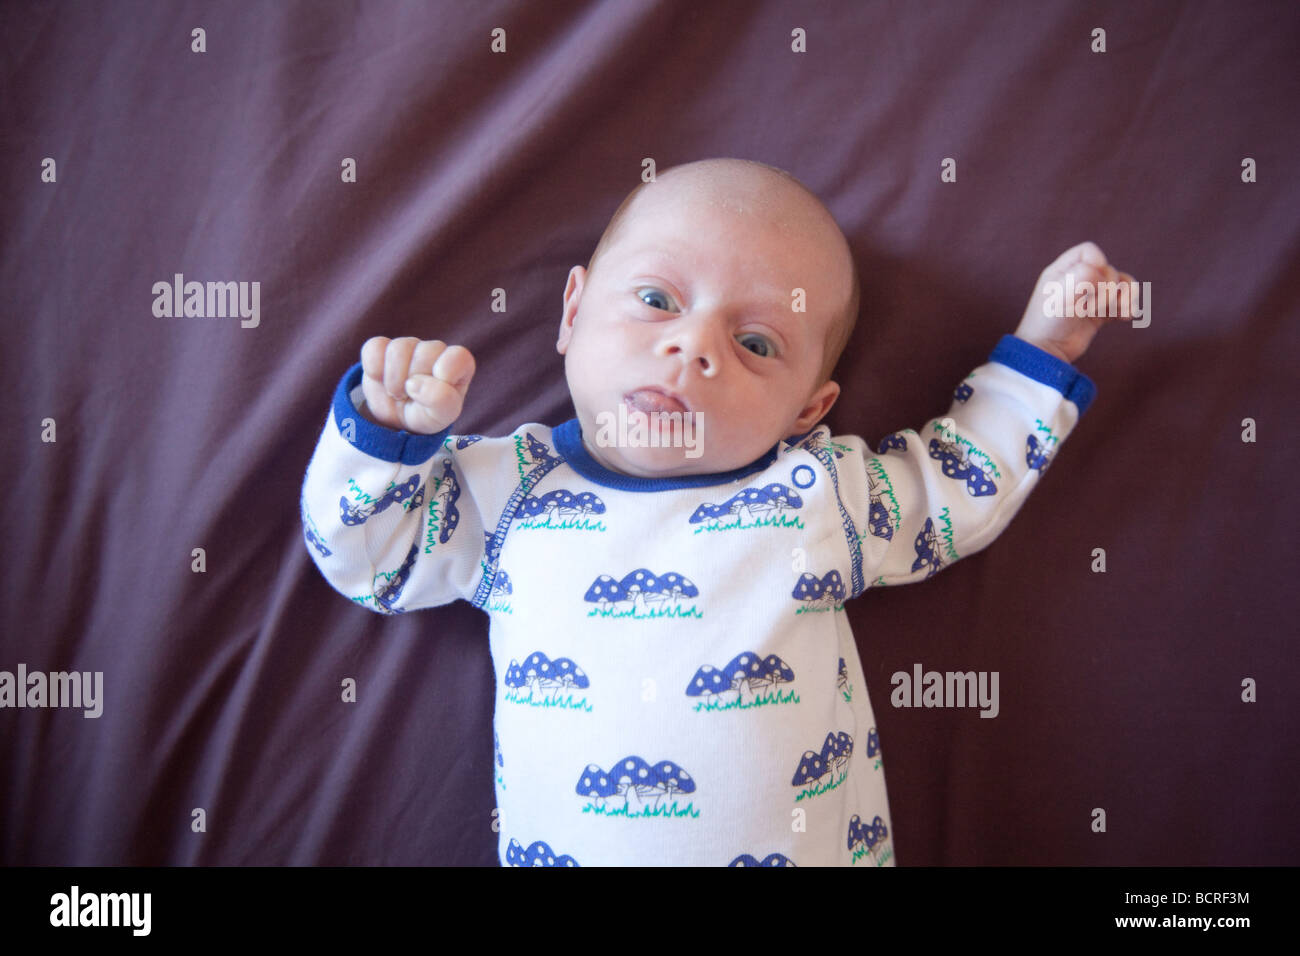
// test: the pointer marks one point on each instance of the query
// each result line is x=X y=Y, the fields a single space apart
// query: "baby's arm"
x=387 y=516
x=943 y=493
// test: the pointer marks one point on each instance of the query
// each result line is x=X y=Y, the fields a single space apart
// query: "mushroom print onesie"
x=676 y=680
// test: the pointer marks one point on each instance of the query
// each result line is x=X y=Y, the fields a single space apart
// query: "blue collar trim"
x=568 y=442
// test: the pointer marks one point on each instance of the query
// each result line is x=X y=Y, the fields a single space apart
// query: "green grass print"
x=583 y=524
x=563 y=703
x=667 y=811
x=818 y=610
x=632 y=612
x=811 y=792
x=862 y=851
x=770 y=521
x=767 y=697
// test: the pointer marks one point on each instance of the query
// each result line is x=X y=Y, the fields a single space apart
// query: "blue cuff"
x=1031 y=361
x=376 y=440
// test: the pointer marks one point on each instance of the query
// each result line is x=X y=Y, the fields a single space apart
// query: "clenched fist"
x=1068 y=336
x=414 y=385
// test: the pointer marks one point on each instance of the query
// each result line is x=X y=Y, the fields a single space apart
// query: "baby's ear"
x=572 y=297
x=819 y=403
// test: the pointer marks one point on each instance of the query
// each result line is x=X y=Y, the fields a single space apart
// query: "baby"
x=676 y=680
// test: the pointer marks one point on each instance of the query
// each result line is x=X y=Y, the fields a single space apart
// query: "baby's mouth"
x=650 y=400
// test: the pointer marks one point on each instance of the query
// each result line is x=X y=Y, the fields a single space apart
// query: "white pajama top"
x=676 y=680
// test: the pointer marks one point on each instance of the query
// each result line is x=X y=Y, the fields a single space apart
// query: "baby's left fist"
x=1075 y=296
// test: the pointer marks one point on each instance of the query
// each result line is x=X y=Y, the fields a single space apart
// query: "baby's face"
x=690 y=310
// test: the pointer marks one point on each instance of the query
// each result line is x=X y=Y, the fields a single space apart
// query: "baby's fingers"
x=455 y=366
x=1085 y=252
x=452 y=364
x=372 y=357
x=423 y=358
x=1090 y=254
x=434 y=403
x=397 y=364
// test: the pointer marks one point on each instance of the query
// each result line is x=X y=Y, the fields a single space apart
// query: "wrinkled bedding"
x=156 y=540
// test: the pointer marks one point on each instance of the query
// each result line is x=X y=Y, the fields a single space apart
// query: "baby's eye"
x=655 y=299
x=757 y=344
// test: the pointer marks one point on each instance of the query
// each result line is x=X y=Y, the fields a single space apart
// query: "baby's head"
x=689 y=305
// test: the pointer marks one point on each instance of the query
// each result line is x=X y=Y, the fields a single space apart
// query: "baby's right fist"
x=415 y=385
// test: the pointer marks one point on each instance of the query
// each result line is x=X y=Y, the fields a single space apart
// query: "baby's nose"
x=693 y=344
x=707 y=367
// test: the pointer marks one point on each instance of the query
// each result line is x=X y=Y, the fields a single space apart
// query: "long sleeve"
x=932 y=497
x=389 y=517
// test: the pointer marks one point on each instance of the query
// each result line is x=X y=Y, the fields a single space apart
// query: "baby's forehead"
x=780 y=222
x=692 y=209
x=745 y=196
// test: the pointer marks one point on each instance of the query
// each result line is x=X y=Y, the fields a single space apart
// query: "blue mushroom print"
x=927 y=549
x=735 y=684
x=751 y=508
x=772 y=859
x=963 y=392
x=896 y=441
x=563 y=502
x=537 y=450
x=642 y=594
x=958 y=465
x=884 y=515
x=842 y=681
x=352 y=515
x=499 y=596
x=873 y=747
x=1036 y=454
x=826 y=593
x=634 y=788
x=387 y=595
x=316 y=542
x=537 y=854
x=561 y=509
x=825 y=770
x=819 y=442
x=529 y=447
x=878 y=516
x=549 y=683
x=867 y=839
x=449 y=492
x=881 y=833
x=464 y=441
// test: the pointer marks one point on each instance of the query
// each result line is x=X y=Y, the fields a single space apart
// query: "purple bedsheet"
x=478 y=170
